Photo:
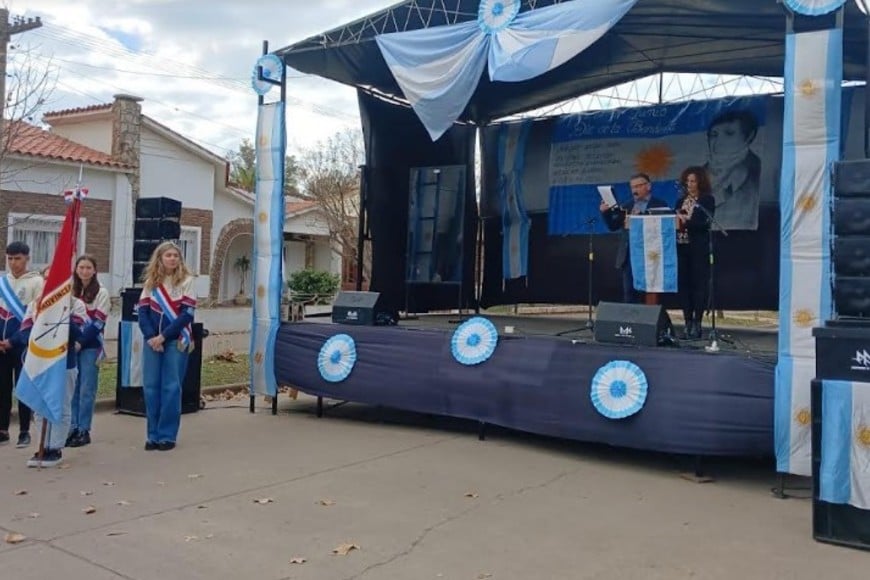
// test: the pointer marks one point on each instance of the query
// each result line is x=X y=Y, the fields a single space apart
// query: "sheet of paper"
x=606 y=193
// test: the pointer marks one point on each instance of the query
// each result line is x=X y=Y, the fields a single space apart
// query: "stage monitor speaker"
x=852 y=256
x=852 y=178
x=635 y=324
x=852 y=296
x=358 y=308
x=157 y=207
x=156 y=229
x=852 y=217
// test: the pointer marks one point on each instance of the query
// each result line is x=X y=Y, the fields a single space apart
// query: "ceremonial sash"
x=160 y=296
x=11 y=299
x=98 y=319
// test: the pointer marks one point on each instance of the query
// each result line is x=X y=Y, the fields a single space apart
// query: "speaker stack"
x=842 y=343
x=158 y=219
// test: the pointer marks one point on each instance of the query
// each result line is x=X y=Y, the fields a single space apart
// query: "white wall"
x=95 y=134
x=226 y=209
x=45 y=177
x=311 y=223
x=167 y=170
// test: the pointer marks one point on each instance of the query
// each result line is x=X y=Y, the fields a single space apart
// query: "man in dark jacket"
x=616 y=218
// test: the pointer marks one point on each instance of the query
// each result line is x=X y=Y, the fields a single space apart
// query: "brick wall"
x=97 y=212
x=201 y=218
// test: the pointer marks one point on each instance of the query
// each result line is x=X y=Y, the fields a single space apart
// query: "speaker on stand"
x=158 y=219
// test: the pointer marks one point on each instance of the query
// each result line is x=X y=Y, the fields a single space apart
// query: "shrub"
x=313 y=282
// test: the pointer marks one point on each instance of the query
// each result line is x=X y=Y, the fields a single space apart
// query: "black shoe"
x=4 y=437
x=150 y=446
x=70 y=439
x=82 y=438
x=23 y=440
x=166 y=445
x=50 y=458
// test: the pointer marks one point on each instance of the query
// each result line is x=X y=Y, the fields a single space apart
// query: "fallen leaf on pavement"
x=326 y=502
x=297 y=560
x=108 y=483
x=209 y=536
x=86 y=493
x=90 y=510
x=64 y=466
x=484 y=575
x=472 y=495
x=33 y=515
x=123 y=502
x=344 y=549
x=194 y=476
x=110 y=534
x=264 y=500
x=14 y=538
x=201 y=507
x=21 y=492
x=190 y=538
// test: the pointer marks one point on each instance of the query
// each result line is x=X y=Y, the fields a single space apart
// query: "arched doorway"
x=231 y=278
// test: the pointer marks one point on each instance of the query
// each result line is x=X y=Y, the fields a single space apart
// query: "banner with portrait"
x=724 y=136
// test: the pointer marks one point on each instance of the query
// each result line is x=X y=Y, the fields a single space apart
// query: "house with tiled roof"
x=125 y=155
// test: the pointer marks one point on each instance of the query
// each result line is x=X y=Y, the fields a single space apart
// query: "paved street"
x=421 y=497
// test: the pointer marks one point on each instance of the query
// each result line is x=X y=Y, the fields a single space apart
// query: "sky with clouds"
x=190 y=60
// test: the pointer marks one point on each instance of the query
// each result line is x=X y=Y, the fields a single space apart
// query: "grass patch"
x=215 y=372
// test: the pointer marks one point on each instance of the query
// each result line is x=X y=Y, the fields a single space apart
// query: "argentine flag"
x=844 y=475
x=653 y=252
x=131 y=355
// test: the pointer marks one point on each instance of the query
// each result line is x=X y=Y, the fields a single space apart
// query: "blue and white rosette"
x=273 y=68
x=474 y=341
x=337 y=357
x=814 y=7
x=619 y=389
x=495 y=15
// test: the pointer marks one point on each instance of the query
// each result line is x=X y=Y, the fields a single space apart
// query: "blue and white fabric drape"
x=268 y=245
x=130 y=360
x=844 y=473
x=814 y=7
x=438 y=68
x=811 y=143
x=516 y=223
x=653 y=252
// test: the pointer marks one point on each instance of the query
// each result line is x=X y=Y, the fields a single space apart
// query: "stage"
x=539 y=377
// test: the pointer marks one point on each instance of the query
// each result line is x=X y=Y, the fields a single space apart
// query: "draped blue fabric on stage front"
x=697 y=403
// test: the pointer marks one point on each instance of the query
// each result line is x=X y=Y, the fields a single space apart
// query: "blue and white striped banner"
x=131 y=354
x=516 y=224
x=653 y=252
x=268 y=245
x=844 y=474
x=814 y=7
x=811 y=143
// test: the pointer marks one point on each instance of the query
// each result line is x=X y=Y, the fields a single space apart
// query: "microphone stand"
x=714 y=225
x=590 y=258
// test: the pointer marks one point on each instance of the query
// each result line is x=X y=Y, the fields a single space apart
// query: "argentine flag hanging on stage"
x=844 y=474
x=811 y=144
x=268 y=247
x=653 y=252
x=516 y=223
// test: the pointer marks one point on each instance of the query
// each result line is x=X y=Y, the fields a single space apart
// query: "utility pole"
x=7 y=30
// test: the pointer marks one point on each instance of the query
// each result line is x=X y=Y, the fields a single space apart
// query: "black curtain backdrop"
x=396 y=141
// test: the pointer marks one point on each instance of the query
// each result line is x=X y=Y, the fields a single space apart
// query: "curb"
x=108 y=403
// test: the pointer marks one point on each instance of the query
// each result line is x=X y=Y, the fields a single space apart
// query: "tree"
x=243 y=169
x=329 y=175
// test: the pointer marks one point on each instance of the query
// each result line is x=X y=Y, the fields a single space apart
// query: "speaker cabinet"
x=852 y=256
x=852 y=178
x=156 y=229
x=157 y=207
x=851 y=216
x=636 y=324
x=358 y=308
x=852 y=296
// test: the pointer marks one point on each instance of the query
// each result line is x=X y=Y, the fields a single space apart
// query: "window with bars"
x=189 y=242
x=41 y=234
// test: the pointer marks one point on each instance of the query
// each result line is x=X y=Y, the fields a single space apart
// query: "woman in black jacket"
x=693 y=242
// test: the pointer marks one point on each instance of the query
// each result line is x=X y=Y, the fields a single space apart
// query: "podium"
x=841 y=347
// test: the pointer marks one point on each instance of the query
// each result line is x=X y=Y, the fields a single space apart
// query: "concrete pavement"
x=420 y=496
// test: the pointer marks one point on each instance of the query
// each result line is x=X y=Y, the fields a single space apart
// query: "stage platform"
x=539 y=379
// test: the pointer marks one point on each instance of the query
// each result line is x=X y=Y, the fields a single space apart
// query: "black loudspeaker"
x=157 y=229
x=142 y=249
x=358 y=308
x=636 y=324
x=851 y=247
x=131 y=400
x=157 y=207
x=129 y=300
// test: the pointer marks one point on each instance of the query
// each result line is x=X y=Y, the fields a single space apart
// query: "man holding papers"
x=616 y=218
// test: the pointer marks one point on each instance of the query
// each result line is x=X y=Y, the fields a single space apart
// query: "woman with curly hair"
x=166 y=310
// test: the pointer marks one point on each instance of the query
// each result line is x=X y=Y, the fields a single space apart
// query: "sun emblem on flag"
x=804 y=317
x=136 y=347
x=807 y=202
x=862 y=436
x=808 y=88
x=655 y=160
x=803 y=417
x=261 y=291
x=264 y=141
x=258 y=357
x=263 y=217
x=653 y=256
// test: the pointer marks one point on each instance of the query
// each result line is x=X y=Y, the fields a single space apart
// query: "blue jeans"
x=86 y=389
x=162 y=375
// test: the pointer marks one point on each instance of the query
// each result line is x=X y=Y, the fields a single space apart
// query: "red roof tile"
x=77 y=110
x=29 y=140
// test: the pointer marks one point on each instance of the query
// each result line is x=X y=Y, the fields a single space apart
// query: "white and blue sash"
x=161 y=297
x=11 y=299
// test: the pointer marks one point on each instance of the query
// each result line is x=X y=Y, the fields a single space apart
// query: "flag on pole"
x=42 y=383
x=653 y=252
x=844 y=474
